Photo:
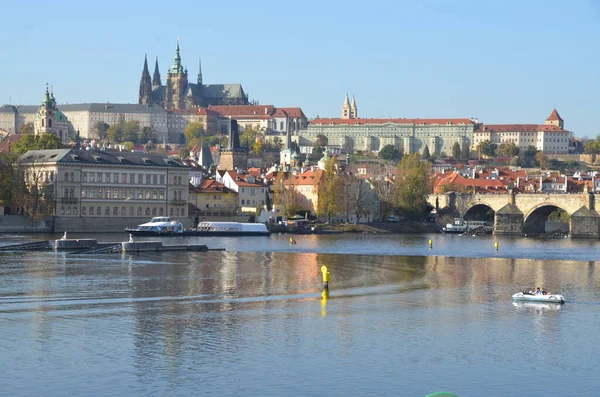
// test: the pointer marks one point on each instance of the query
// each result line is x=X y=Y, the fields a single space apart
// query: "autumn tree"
x=487 y=148
x=384 y=191
x=27 y=128
x=284 y=195
x=194 y=132
x=542 y=160
x=413 y=185
x=508 y=149
x=330 y=190
x=34 y=192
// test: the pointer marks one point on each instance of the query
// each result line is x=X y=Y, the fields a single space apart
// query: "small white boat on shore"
x=532 y=297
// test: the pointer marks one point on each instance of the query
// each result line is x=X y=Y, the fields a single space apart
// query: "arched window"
x=42 y=122
x=115 y=211
x=74 y=210
x=72 y=177
x=60 y=134
x=107 y=211
x=123 y=211
x=83 y=211
x=171 y=211
x=98 y=211
x=62 y=210
x=154 y=211
x=177 y=211
x=147 y=211
x=71 y=193
x=68 y=210
x=160 y=211
x=66 y=193
x=49 y=123
x=139 y=211
x=281 y=126
x=131 y=211
x=91 y=210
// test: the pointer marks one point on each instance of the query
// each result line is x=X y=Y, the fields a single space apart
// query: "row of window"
x=123 y=211
x=252 y=202
x=123 y=194
x=107 y=177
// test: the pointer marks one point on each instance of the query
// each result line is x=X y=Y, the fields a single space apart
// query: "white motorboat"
x=538 y=306
x=533 y=297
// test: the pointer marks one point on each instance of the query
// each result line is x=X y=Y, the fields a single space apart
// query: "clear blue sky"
x=508 y=61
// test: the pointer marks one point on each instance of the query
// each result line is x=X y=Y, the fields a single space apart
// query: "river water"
x=401 y=318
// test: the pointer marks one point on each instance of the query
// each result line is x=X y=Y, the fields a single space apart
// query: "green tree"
x=456 y=151
x=37 y=142
x=330 y=190
x=248 y=137
x=592 y=146
x=508 y=149
x=426 y=155
x=320 y=144
x=487 y=148
x=27 y=128
x=531 y=151
x=465 y=151
x=147 y=134
x=258 y=147
x=413 y=185
x=101 y=130
x=389 y=152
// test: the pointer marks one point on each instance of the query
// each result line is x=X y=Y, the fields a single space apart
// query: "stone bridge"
x=518 y=214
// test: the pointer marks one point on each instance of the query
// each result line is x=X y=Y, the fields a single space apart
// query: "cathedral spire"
x=156 y=77
x=145 y=85
x=199 y=72
x=353 y=110
x=177 y=68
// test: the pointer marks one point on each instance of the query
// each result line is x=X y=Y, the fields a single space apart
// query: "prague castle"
x=179 y=93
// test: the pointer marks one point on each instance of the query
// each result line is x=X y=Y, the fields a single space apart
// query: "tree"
x=592 y=146
x=147 y=134
x=542 y=160
x=193 y=133
x=487 y=148
x=465 y=151
x=34 y=193
x=330 y=190
x=37 y=142
x=531 y=151
x=284 y=194
x=508 y=149
x=258 y=147
x=426 y=155
x=28 y=128
x=389 y=152
x=248 y=137
x=360 y=200
x=384 y=191
x=101 y=130
x=456 y=151
x=413 y=185
x=320 y=144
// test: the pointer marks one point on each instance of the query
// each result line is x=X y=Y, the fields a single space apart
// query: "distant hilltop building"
x=351 y=133
x=179 y=93
x=550 y=137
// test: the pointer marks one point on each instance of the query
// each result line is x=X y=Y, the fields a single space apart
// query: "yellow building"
x=213 y=197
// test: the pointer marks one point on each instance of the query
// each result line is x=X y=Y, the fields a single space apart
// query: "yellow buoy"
x=496 y=245
x=326 y=275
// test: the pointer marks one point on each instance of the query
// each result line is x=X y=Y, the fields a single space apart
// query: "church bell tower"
x=176 y=84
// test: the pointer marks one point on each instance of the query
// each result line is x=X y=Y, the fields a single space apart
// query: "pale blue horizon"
x=507 y=62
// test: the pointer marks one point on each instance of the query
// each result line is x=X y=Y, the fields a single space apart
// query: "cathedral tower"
x=346 y=108
x=177 y=82
x=156 y=83
x=199 y=72
x=353 y=109
x=145 y=85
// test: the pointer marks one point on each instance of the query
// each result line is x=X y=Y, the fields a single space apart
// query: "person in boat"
x=538 y=291
x=544 y=291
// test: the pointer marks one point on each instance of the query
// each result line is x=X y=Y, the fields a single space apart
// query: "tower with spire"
x=177 y=82
x=353 y=109
x=50 y=120
x=156 y=83
x=555 y=119
x=346 y=108
x=145 y=95
x=199 y=72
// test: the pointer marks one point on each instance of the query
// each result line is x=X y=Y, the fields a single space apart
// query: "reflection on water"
x=259 y=323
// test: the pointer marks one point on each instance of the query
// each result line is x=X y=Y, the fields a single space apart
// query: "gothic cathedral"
x=179 y=93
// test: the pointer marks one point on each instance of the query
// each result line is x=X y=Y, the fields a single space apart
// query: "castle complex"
x=179 y=93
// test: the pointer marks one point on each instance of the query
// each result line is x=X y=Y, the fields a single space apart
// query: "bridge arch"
x=479 y=212
x=534 y=222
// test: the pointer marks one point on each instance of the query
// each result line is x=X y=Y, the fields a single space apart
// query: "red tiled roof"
x=294 y=112
x=210 y=186
x=517 y=128
x=9 y=141
x=554 y=116
x=240 y=179
x=245 y=110
x=337 y=121
x=308 y=177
